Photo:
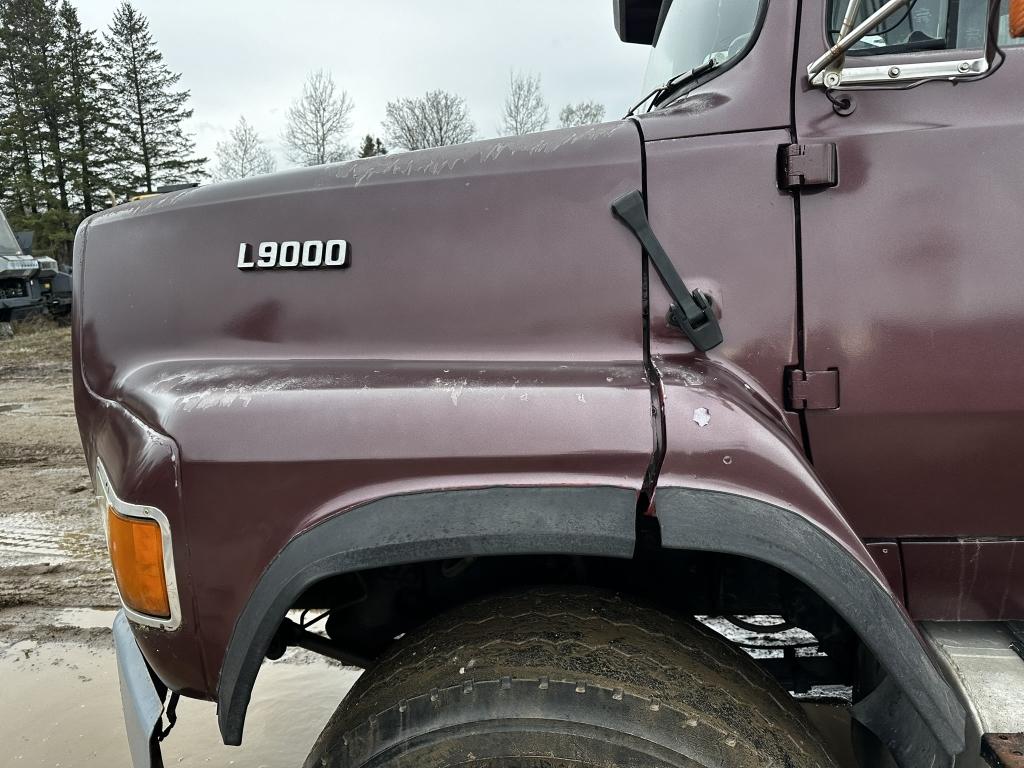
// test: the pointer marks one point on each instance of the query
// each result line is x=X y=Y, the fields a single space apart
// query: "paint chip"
x=702 y=417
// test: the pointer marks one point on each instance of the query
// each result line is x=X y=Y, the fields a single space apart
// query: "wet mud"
x=61 y=706
x=51 y=539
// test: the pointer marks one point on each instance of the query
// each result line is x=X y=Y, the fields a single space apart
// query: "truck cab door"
x=714 y=204
x=913 y=284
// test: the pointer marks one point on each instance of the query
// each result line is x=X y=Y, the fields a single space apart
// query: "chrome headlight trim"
x=107 y=496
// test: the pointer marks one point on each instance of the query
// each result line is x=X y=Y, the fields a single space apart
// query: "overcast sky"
x=250 y=58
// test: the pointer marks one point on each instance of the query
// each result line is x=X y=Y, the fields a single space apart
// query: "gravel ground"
x=52 y=553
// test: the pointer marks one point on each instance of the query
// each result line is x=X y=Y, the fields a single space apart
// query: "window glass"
x=923 y=25
x=692 y=32
x=8 y=245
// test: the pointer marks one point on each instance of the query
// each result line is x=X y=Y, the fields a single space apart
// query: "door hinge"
x=808 y=165
x=812 y=390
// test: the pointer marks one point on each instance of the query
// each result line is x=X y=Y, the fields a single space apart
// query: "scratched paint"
x=701 y=417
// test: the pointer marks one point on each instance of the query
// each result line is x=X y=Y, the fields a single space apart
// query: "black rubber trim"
x=438 y=525
x=1016 y=629
x=934 y=724
x=755 y=35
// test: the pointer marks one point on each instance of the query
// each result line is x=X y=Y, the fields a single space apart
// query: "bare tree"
x=437 y=119
x=318 y=122
x=243 y=154
x=525 y=108
x=584 y=113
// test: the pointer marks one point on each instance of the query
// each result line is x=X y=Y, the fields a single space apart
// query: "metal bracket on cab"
x=692 y=312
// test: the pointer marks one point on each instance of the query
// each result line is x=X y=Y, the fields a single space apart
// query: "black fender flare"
x=915 y=711
x=416 y=527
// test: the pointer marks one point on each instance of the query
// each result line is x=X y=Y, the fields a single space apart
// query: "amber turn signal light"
x=1016 y=18
x=137 y=554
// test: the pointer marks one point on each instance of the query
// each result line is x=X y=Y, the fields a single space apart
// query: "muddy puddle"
x=60 y=706
x=24 y=541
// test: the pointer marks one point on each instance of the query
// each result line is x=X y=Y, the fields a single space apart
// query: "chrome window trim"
x=894 y=72
x=127 y=509
x=830 y=70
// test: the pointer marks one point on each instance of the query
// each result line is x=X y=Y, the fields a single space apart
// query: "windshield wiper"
x=660 y=94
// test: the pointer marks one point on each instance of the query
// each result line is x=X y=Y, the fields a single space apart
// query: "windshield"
x=8 y=245
x=691 y=32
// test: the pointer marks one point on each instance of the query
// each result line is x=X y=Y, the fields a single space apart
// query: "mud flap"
x=142 y=698
x=888 y=714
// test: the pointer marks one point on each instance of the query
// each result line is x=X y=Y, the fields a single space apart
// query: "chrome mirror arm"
x=851 y=14
x=847 y=41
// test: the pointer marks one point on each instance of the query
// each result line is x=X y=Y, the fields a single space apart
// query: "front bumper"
x=21 y=306
x=142 y=697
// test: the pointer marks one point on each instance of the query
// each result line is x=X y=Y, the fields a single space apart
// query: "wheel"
x=560 y=678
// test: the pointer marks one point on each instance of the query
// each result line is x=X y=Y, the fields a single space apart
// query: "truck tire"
x=564 y=677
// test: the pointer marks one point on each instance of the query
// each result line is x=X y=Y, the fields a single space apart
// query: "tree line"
x=319 y=123
x=90 y=118
x=85 y=118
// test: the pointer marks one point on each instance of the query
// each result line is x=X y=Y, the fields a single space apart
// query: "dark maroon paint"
x=965 y=580
x=914 y=289
x=489 y=332
x=886 y=555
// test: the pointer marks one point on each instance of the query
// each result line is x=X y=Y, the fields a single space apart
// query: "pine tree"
x=33 y=120
x=48 y=79
x=89 y=146
x=146 y=113
x=372 y=147
x=19 y=125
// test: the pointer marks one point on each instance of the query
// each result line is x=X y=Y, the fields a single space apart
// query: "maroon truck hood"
x=502 y=249
x=487 y=332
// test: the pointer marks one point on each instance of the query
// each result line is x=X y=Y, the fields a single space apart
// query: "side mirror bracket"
x=830 y=71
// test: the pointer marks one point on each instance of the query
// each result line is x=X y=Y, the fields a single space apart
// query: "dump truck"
x=630 y=444
x=55 y=287
x=20 y=289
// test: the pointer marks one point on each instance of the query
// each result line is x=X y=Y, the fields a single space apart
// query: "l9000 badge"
x=312 y=254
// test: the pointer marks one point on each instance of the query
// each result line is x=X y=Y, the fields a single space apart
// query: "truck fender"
x=913 y=711
x=597 y=521
x=735 y=480
x=777 y=513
